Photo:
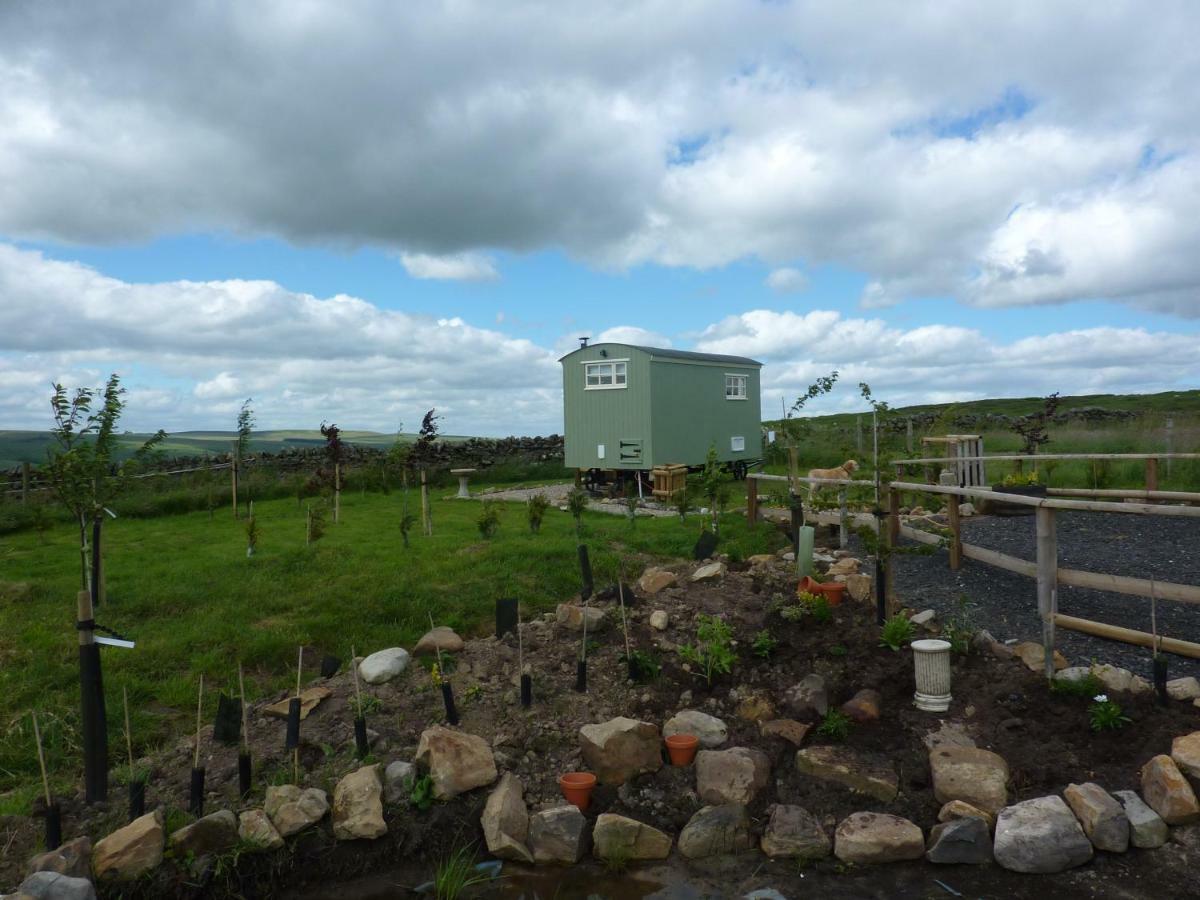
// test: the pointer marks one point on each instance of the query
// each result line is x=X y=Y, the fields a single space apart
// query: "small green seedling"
x=897 y=631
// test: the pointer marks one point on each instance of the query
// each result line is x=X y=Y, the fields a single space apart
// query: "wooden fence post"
x=892 y=538
x=1047 y=580
x=952 y=514
x=337 y=492
x=843 y=517
x=24 y=483
x=752 y=501
x=426 y=521
x=908 y=435
x=233 y=474
x=1151 y=473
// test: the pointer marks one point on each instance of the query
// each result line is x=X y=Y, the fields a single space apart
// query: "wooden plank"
x=1047 y=581
x=763 y=476
x=1137 y=587
x=843 y=515
x=1018 y=457
x=1000 y=560
x=1152 y=474
x=921 y=537
x=1051 y=503
x=1127 y=635
x=751 y=501
x=1126 y=493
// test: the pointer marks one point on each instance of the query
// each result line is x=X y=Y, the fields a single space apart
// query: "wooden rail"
x=1045 y=568
x=1126 y=493
x=1035 y=457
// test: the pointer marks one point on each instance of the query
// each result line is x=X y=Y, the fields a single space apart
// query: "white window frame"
x=737 y=444
x=620 y=369
x=743 y=380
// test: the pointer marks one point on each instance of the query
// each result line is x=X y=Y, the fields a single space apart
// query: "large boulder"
x=960 y=841
x=971 y=774
x=858 y=587
x=654 y=580
x=397 y=780
x=292 y=810
x=572 y=616
x=710 y=730
x=716 y=830
x=73 y=859
x=1102 y=817
x=558 y=836
x=1147 y=830
x=864 y=706
x=1168 y=793
x=215 y=833
x=870 y=837
x=866 y=773
x=441 y=638
x=358 y=806
x=46 y=885
x=794 y=832
x=456 y=761
x=132 y=851
x=383 y=665
x=808 y=697
x=621 y=838
x=1118 y=680
x=506 y=821
x=709 y=572
x=789 y=729
x=731 y=776
x=620 y=749
x=1034 y=656
x=1185 y=751
x=256 y=831
x=1184 y=688
x=1040 y=836
x=957 y=809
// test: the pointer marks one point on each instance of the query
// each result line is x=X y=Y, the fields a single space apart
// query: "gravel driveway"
x=1005 y=603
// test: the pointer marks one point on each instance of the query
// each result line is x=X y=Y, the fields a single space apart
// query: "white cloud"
x=893 y=139
x=191 y=352
x=787 y=281
x=452 y=267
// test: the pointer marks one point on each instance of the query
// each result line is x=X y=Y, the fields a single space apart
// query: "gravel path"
x=557 y=495
x=1005 y=603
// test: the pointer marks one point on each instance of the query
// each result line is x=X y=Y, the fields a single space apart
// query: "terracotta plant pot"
x=577 y=788
x=682 y=748
x=834 y=591
x=808 y=585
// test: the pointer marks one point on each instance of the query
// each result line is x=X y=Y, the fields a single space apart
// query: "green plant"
x=959 y=630
x=764 y=644
x=645 y=665
x=681 y=501
x=365 y=705
x=577 y=502
x=420 y=792
x=835 y=725
x=617 y=859
x=489 y=519
x=713 y=651
x=535 y=509
x=316 y=523
x=473 y=693
x=407 y=521
x=838 y=650
x=1106 y=715
x=1021 y=479
x=252 y=535
x=456 y=873
x=1087 y=686
x=712 y=486
x=631 y=508
x=815 y=606
x=897 y=631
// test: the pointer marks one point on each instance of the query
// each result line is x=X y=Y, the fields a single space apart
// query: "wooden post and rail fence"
x=1045 y=568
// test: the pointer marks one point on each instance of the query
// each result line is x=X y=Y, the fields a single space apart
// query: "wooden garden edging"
x=1045 y=569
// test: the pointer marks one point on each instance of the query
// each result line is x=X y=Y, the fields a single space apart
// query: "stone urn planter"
x=931 y=659
x=577 y=788
x=682 y=748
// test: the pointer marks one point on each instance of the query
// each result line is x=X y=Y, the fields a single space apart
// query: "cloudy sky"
x=354 y=211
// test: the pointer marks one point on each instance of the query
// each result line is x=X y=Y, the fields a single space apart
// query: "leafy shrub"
x=835 y=725
x=1087 y=686
x=897 y=631
x=646 y=666
x=535 y=509
x=764 y=644
x=489 y=519
x=420 y=792
x=1106 y=715
x=713 y=651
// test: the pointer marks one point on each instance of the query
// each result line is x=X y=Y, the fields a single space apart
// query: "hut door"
x=631 y=451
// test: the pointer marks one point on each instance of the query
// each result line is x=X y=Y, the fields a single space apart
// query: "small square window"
x=604 y=375
x=737 y=444
x=735 y=387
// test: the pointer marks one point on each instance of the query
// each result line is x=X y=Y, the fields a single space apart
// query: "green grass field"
x=183 y=588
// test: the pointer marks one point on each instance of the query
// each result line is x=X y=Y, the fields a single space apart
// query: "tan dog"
x=845 y=470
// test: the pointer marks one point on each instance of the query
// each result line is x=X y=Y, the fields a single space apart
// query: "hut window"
x=604 y=375
x=735 y=387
